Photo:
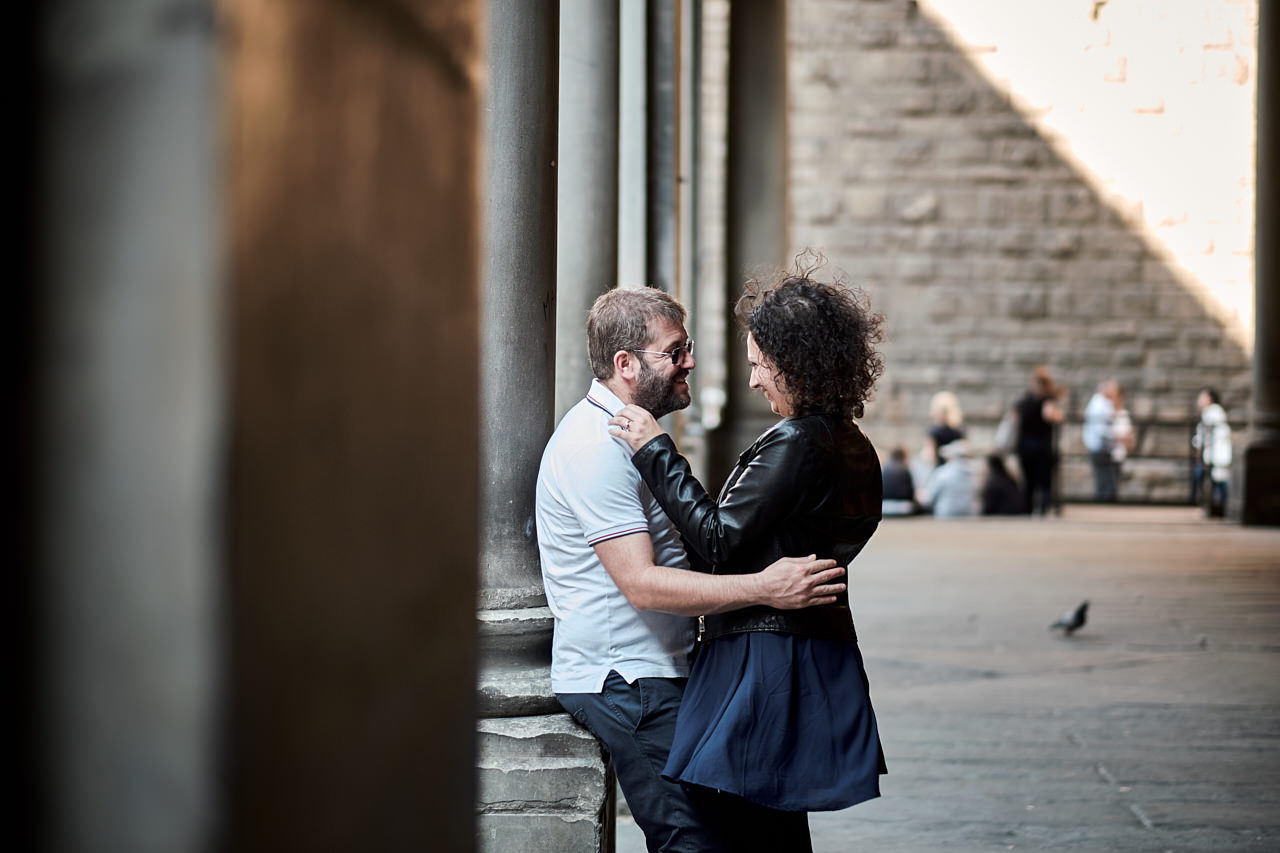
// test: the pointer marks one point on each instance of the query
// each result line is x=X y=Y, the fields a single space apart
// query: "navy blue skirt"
x=780 y=720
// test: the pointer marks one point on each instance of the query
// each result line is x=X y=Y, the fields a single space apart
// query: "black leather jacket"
x=809 y=485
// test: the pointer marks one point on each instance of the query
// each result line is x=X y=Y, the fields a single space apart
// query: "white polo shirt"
x=588 y=493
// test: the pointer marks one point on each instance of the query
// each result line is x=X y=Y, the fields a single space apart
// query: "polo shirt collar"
x=602 y=398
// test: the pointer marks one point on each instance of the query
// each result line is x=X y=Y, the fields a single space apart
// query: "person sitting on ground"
x=1001 y=493
x=899 y=487
x=950 y=491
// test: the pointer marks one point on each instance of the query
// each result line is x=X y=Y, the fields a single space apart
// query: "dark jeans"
x=636 y=723
x=1105 y=475
x=1037 y=479
x=1208 y=492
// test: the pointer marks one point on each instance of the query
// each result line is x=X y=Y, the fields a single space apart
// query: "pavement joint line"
x=1141 y=815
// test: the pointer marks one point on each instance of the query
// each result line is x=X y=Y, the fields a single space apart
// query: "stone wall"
x=1067 y=184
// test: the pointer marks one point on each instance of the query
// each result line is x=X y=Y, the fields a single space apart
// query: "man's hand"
x=795 y=582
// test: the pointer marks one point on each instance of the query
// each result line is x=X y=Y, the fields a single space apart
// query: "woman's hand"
x=635 y=425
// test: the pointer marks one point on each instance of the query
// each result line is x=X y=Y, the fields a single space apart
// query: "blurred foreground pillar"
x=542 y=781
x=123 y=415
x=354 y=145
x=1262 y=456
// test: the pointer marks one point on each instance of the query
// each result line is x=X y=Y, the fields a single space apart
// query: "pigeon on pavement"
x=1072 y=620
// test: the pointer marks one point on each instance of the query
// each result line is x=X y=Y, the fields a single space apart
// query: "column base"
x=544 y=787
x=1261 y=494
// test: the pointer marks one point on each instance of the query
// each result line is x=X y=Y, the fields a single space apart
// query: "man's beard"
x=658 y=393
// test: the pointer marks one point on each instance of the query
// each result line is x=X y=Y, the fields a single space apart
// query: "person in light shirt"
x=617 y=578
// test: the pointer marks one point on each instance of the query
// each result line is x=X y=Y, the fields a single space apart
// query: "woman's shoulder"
x=810 y=430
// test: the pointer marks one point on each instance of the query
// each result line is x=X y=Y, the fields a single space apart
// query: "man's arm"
x=788 y=584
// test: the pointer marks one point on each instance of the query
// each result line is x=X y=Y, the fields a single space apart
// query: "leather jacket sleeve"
x=768 y=486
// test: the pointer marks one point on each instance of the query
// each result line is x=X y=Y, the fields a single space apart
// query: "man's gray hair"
x=619 y=320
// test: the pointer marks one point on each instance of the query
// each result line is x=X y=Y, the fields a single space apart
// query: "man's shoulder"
x=583 y=462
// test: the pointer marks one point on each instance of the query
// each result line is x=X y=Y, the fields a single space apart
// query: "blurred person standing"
x=1097 y=434
x=1038 y=414
x=1123 y=436
x=1212 y=441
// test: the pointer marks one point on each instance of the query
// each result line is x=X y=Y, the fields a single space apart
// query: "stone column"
x=543 y=784
x=662 y=143
x=353 y=135
x=1261 y=503
x=756 y=200
x=124 y=428
x=587 y=238
x=632 y=106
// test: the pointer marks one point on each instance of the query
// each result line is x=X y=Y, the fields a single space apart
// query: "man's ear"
x=626 y=365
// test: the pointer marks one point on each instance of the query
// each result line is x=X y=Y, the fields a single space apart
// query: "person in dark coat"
x=1039 y=413
x=1001 y=494
x=777 y=718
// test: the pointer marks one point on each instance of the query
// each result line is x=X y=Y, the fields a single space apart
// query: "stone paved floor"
x=1155 y=728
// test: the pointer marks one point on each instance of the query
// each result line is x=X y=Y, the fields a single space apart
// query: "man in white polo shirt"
x=616 y=575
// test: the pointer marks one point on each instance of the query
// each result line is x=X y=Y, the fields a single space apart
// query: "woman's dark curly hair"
x=821 y=338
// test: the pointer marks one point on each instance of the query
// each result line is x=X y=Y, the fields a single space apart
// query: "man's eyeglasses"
x=676 y=355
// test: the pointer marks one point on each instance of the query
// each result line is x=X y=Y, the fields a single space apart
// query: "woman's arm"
x=768 y=489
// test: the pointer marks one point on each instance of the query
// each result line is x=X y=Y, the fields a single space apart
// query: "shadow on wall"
x=1037 y=189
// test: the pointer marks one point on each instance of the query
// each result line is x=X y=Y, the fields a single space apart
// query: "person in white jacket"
x=1212 y=440
x=1098 y=434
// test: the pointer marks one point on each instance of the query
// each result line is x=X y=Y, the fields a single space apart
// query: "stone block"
x=1015 y=241
x=1170 y=440
x=1073 y=206
x=956 y=101
x=866 y=203
x=918 y=207
x=515 y=689
x=916 y=101
x=959 y=205
x=540 y=833
x=1027 y=304
x=913 y=151
x=543 y=786
x=876 y=37
x=881 y=67
x=959 y=149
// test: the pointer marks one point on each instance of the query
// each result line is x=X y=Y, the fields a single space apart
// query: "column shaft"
x=543 y=783
x=1261 y=498
x=587 y=234
x=662 y=146
x=755 y=198
x=632 y=145
x=518 y=308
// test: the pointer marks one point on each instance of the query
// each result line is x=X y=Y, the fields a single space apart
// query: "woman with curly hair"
x=777 y=719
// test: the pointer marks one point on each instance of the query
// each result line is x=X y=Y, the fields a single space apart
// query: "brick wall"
x=1067 y=184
